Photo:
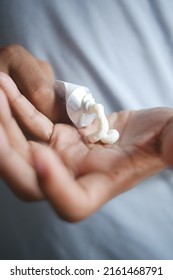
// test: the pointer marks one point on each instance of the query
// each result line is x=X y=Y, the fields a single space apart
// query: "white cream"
x=103 y=134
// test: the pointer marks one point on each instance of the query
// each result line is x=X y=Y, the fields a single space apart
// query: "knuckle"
x=47 y=70
x=46 y=66
x=39 y=90
x=10 y=51
x=44 y=63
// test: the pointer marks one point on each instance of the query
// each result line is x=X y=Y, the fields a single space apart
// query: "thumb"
x=167 y=144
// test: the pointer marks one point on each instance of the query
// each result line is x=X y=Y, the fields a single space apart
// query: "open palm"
x=75 y=176
x=78 y=177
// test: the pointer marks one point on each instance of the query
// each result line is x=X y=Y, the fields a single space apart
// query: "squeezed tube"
x=82 y=110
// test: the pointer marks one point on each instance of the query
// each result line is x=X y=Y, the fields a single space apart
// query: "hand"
x=34 y=79
x=75 y=176
x=78 y=177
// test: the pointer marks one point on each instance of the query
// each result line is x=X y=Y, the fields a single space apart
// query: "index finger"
x=34 y=121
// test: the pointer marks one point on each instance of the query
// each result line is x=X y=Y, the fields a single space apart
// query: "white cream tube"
x=82 y=110
x=73 y=96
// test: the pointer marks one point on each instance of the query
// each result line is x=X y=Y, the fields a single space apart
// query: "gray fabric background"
x=123 y=51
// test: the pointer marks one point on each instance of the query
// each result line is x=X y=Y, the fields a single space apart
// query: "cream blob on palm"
x=103 y=133
x=82 y=110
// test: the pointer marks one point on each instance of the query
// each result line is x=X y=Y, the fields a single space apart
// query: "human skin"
x=60 y=165
x=35 y=80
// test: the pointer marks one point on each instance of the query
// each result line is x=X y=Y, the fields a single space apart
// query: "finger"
x=73 y=198
x=31 y=80
x=167 y=142
x=76 y=198
x=14 y=134
x=16 y=171
x=47 y=70
x=60 y=188
x=36 y=123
